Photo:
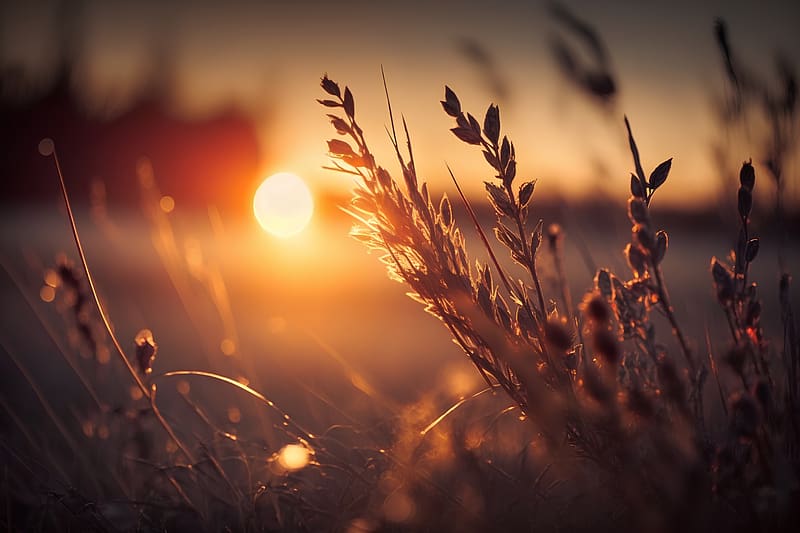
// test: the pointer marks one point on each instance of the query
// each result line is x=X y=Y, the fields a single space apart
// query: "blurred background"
x=167 y=117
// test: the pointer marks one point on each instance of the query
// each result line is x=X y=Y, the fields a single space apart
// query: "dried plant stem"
x=669 y=312
x=134 y=375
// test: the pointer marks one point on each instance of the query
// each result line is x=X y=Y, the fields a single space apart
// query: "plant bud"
x=723 y=281
x=747 y=176
x=751 y=250
x=636 y=260
x=643 y=236
x=558 y=335
x=146 y=349
x=745 y=202
x=596 y=308
x=605 y=344
x=662 y=241
x=637 y=211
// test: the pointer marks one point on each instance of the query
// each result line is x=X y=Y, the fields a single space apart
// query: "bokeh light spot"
x=167 y=203
x=227 y=347
x=294 y=457
x=46 y=147
x=47 y=293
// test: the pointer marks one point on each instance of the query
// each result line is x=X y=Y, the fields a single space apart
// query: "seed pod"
x=594 y=385
x=605 y=344
x=636 y=259
x=596 y=308
x=445 y=211
x=662 y=241
x=558 y=335
x=637 y=211
x=146 y=349
x=745 y=202
x=330 y=86
x=525 y=193
x=747 y=176
x=636 y=187
x=753 y=313
x=644 y=237
x=603 y=283
x=751 y=250
x=723 y=281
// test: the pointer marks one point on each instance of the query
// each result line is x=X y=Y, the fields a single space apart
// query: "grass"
x=603 y=385
x=594 y=414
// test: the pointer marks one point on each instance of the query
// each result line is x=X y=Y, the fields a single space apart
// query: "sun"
x=283 y=204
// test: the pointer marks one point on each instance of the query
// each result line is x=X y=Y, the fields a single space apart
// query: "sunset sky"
x=265 y=59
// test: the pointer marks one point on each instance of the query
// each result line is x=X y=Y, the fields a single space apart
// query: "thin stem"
x=663 y=298
x=104 y=317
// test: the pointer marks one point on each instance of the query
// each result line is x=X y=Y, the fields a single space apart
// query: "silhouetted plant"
x=602 y=382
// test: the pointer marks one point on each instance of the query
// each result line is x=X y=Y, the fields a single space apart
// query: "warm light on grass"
x=283 y=204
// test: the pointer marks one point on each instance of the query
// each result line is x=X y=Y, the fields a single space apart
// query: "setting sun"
x=283 y=204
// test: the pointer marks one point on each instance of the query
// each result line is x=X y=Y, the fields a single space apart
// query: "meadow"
x=614 y=365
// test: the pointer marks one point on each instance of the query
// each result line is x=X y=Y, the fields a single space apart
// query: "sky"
x=265 y=59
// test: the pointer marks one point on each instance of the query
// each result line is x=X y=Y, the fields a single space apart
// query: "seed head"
x=146 y=349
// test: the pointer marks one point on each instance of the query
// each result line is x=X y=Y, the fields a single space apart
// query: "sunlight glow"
x=294 y=457
x=283 y=204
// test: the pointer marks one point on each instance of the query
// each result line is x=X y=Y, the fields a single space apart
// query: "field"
x=243 y=293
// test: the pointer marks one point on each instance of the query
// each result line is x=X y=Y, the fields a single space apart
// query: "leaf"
x=349 y=103
x=507 y=237
x=467 y=135
x=499 y=199
x=659 y=175
x=491 y=159
x=451 y=104
x=491 y=124
x=526 y=192
x=635 y=152
x=473 y=123
x=340 y=148
x=330 y=86
x=329 y=103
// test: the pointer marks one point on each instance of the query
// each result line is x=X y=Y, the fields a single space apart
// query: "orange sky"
x=266 y=58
